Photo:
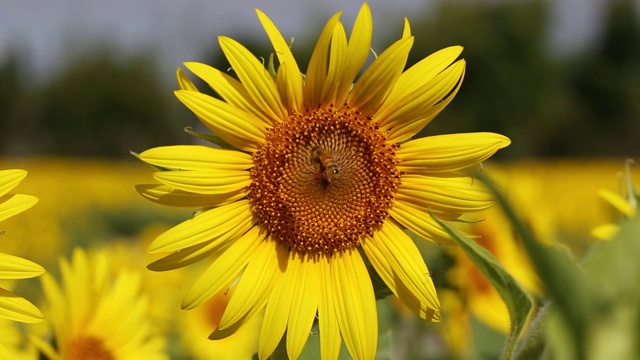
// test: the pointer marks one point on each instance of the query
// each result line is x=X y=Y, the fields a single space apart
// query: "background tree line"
x=102 y=102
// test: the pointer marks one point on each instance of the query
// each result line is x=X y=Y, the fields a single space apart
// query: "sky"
x=44 y=28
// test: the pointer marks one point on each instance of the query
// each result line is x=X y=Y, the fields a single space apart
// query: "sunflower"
x=199 y=322
x=97 y=312
x=321 y=186
x=12 y=306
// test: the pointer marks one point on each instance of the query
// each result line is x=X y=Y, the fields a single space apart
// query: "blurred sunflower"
x=626 y=202
x=325 y=179
x=12 y=306
x=97 y=312
x=199 y=322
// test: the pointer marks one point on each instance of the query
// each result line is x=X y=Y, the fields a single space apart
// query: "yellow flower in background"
x=97 y=312
x=198 y=323
x=325 y=174
x=497 y=236
x=626 y=202
x=13 y=307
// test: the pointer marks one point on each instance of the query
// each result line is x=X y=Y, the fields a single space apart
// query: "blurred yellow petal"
x=617 y=202
x=447 y=153
x=196 y=157
x=15 y=308
x=605 y=232
x=208 y=225
x=224 y=269
x=10 y=179
x=13 y=204
x=205 y=182
x=14 y=267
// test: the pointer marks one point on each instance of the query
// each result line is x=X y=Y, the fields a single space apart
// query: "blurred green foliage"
x=587 y=103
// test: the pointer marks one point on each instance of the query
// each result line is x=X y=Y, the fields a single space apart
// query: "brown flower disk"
x=302 y=206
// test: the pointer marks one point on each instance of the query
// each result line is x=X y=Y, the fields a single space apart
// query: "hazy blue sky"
x=179 y=28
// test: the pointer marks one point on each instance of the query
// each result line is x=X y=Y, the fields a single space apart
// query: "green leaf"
x=515 y=298
x=208 y=137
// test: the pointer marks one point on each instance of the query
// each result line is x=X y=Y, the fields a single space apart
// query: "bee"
x=328 y=167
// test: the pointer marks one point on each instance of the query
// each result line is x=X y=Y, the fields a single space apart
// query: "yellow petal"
x=292 y=74
x=205 y=182
x=447 y=153
x=167 y=195
x=224 y=269
x=256 y=283
x=618 y=202
x=197 y=157
x=15 y=308
x=184 y=82
x=444 y=193
x=316 y=75
x=378 y=79
x=380 y=263
x=235 y=126
x=406 y=30
x=207 y=249
x=406 y=262
x=205 y=226
x=287 y=92
x=336 y=61
x=10 y=179
x=418 y=76
x=420 y=223
x=14 y=267
x=330 y=338
x=304 y=305
x=605 y=232
x=230 y=90
x=5 y=354
x=358 y=50
x=412 y=113
x=355 y=304
x=255 y=78
x=13 y=204
x=276 y=314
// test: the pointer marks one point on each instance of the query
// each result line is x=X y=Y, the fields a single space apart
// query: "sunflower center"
x=88 y=347
x=324 y=179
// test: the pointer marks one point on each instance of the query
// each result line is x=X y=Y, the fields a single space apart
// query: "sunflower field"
x=338 y=199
